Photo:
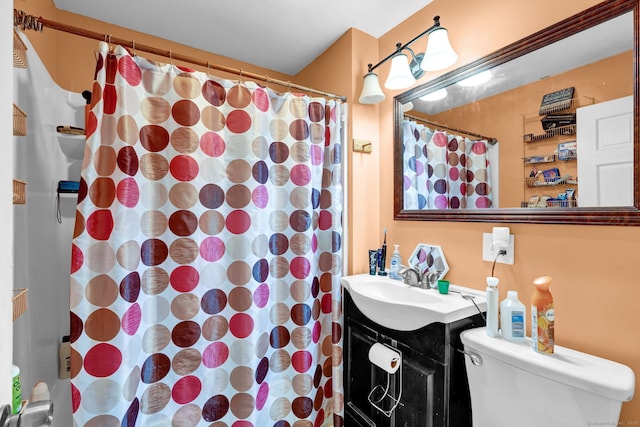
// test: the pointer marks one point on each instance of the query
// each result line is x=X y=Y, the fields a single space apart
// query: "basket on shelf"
x=19 y=121
x=19 y=192
x=531 y=181
x=564 y=203
x=530 y=160
x=19 y=51
x=19 y=302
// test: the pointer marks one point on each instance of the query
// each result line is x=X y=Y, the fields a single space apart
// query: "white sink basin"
x=401 y=307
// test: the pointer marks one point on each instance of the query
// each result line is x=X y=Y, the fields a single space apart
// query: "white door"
x=605 y=153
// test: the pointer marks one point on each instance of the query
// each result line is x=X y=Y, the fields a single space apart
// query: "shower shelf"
x=19 y=121
x=19 y=192
x=19 y=51
x=19 y=301
x=72 y=144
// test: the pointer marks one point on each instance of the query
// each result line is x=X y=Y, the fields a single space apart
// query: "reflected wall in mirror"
x=590 y=59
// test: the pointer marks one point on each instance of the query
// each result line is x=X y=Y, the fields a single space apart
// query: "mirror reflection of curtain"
x=444 y=171
x=207 y=252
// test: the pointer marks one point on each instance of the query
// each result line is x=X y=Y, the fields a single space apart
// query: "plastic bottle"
x=542 y=316
x=16 y=401
x=395 y=262
x=64 y=354
x=512 y=318
x=492 y=306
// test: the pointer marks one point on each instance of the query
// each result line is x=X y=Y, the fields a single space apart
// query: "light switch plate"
x=489 y=254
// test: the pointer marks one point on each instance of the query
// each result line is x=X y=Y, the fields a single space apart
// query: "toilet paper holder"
x=387 y=398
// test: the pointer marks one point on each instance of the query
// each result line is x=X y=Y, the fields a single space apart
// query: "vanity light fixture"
x=404 y=73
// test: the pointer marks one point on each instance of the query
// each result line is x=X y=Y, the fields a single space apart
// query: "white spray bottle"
x=492 y=306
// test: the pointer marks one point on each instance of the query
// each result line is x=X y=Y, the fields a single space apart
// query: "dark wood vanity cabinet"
x=435 y=392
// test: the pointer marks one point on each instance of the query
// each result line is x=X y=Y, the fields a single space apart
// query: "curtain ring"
x=133 y=47
x=266 y=78
x=208 y=68
x=289 y=85
x=107 y=40
x=240 y=78
x=170 y=56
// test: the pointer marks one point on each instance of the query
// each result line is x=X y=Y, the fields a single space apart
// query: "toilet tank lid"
x=588 y=372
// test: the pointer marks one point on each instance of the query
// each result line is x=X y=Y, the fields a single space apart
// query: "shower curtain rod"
x=490 y=140
x=30 y=22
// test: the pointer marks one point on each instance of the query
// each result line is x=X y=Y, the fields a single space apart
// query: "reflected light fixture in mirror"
x=435 y=96
x=476 y=79
x=439 y=55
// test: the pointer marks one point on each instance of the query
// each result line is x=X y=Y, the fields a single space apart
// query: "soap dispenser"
x=396 y=261
x=492 y=306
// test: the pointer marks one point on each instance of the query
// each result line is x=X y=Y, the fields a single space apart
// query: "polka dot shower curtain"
x=444 y=171
x=206 y=257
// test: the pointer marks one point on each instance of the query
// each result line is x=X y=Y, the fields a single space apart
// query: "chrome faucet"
x=426 y=280
x=407 y=272
x=431 y=278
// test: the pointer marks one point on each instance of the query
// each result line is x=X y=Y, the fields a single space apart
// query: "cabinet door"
x=361 y=376
x=416 y=408
x=418 y=379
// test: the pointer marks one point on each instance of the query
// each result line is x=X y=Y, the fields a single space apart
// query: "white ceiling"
x=281 y=35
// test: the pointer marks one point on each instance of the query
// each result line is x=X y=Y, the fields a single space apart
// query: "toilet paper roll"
x=385 y=358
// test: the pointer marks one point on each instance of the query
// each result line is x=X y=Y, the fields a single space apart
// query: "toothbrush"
x=383 y=255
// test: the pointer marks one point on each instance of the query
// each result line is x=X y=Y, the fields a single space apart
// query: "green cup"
x=443 y=286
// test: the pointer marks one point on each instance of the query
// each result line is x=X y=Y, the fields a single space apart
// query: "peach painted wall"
x=341 y=66
x=595 y=280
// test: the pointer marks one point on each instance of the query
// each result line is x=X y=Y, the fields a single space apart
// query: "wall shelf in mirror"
x=534 y=160
x=535 y=182
x=559 y=131
x=619 y=17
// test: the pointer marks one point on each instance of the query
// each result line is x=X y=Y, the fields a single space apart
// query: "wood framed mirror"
x=513 y=171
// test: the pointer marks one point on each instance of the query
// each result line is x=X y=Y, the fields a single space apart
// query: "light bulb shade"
x=371 y=91
x=400 y=76
x=439 y=53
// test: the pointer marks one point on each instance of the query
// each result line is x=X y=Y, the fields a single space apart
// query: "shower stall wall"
x=42 y=245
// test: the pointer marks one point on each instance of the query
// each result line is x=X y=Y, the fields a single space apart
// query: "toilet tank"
x=512 y=385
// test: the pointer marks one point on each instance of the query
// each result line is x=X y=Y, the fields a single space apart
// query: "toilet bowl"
x=512 y=385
